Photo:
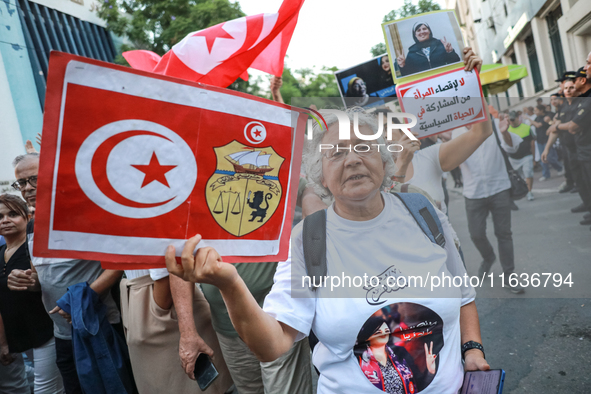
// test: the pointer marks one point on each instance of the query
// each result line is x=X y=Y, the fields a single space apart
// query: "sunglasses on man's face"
x=20 y=184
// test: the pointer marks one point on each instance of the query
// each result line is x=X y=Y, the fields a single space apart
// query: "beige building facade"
x=549 y=37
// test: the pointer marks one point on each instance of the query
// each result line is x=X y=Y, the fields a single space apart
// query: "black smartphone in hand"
x=205 y=372
x=483 y=382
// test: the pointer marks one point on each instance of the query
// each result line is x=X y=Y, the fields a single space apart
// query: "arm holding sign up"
x=265 y=336
x=455 y=152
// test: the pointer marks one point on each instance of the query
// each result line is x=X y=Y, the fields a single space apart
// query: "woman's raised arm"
x=265 y=336
x=454 y=152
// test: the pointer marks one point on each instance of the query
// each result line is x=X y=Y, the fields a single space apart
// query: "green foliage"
x=306 y=83
x=252 y=86
x=410 y=9
x=157 y=25
x=407 y=9
x=378 y=49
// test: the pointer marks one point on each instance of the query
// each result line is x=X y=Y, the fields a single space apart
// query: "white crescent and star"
x=150 y=169
x=255 y=132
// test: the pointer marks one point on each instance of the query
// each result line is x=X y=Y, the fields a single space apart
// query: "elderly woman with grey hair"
x=368 y=233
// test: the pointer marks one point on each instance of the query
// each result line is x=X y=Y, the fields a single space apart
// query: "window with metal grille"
x=552 y=21
x=519 y=87
x=532 y=56
x=46 y=29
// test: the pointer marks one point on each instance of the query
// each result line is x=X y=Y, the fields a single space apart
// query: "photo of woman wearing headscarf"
x=427 y=52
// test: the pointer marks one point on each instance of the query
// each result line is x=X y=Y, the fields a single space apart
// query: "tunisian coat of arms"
x=244 y=191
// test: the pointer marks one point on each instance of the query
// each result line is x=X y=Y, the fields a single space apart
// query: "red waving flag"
x=220 y=54
x=133 y=162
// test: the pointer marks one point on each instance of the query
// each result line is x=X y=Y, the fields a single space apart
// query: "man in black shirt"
x=541 y=122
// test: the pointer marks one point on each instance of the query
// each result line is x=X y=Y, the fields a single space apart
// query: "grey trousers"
x=477 y=209
x=289 y=374
x=13 y=378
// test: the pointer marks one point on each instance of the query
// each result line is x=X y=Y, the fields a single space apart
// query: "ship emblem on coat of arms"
x=244 y=191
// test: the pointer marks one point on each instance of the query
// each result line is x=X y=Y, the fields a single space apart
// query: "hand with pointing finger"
x=447 y=45
x=62 y=313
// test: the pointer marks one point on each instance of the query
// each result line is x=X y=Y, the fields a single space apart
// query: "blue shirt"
x=101 y=355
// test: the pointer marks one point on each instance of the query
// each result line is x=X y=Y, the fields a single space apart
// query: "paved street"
x=544 y=344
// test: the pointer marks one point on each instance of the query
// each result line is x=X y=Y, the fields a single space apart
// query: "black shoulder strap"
x=507 y=163
x=314 y=240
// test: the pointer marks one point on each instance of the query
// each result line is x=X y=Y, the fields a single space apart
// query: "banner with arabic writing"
x=443 y=102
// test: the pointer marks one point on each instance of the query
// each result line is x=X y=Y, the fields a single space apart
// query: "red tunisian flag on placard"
x=220 y=54
x=134 y=161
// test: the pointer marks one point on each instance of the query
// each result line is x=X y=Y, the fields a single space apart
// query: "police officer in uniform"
x=560 y=127
x=579 y=127
x=557 y=101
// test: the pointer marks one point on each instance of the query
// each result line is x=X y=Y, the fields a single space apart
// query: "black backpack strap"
x=314 y=239
x=423 y=212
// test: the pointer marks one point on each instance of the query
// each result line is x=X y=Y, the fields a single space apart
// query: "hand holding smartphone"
x=205 y=371
x=483 y=382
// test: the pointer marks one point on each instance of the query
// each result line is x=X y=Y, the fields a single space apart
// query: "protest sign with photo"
x=443 y=102
x=423 y=45
x=367 y=84
x=428 y=50
x=133 y=162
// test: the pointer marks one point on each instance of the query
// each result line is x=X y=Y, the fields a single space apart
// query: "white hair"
x=24 y=157
x=313 y=155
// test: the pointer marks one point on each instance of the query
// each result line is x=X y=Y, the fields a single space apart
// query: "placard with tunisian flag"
x=133 y=162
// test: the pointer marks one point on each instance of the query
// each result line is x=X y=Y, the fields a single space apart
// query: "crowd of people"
x=258 y=328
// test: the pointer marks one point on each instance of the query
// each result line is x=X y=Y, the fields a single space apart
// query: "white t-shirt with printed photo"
x=392 y=244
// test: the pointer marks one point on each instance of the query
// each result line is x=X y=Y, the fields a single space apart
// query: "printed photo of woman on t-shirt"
x=396 y=351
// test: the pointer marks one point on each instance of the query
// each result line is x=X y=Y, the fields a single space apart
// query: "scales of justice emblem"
x=244 y=191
